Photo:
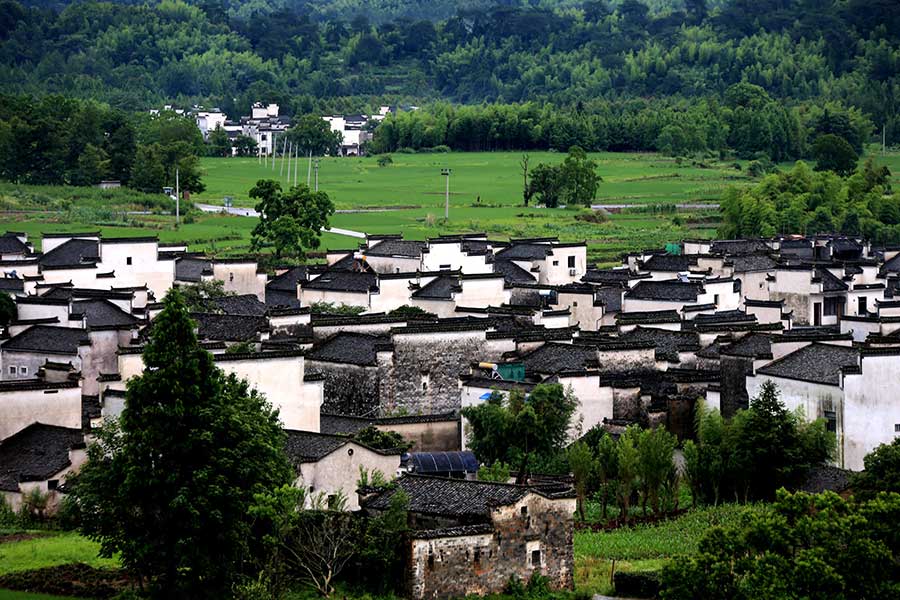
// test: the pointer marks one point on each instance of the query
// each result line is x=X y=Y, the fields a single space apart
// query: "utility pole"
x=177 y=198
x=281 y=170
x=309 y=170
x=446 y=173
x=296 y=165
x=316 y=166
x=274 y=150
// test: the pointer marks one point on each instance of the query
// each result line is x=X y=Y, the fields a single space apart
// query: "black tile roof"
x=752 y=262
x=451 y=497
x=343 y=424
x=343 y=281
x=229 y=328
x=611 y=297
x=817 y=363
x=725 y=316
x=670 y=262
x=350 y=348
x=36 y=453
x=288 y=280
x=738 y=246
x=553 y=358
x=395 y=247
x=73 y=252
x=439 y=288
x=525 y=252
x=610 y=276
x=192 y=269
x=281 y=298
x=11 y=244
x=830 y=281
x=99 y=312
x=668 y=343
x=649 y=317
x=752 y=345
x=512 y=272
x=245 y=304
x=47 y=339
x=307 y=446
x=672 y=291
x=12 y=284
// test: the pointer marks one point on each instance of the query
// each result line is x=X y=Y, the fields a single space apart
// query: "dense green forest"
x=350 y=55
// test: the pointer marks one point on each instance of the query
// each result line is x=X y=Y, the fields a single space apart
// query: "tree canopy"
x=313 y=56
x=168 y=487
x=289 y=221
x=802 y=546
x=517 y=429
x=804 y=201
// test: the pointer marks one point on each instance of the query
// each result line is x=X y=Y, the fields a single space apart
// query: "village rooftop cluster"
x=706 y=322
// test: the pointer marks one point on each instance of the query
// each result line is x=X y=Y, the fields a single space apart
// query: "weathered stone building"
x=472 y=537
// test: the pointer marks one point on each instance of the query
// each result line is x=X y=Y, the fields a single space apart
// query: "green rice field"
x=407 y=197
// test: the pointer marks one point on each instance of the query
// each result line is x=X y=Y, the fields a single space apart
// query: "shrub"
x=636 y=584
x=385 y=160
x=7 y=514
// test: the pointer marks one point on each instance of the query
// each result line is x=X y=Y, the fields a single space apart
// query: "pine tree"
x=170 y=486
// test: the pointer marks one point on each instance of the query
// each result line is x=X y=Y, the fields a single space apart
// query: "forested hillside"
x=315 y=55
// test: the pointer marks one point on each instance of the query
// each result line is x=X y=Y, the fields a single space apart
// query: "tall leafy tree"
x=169 y=488
x=218 y=143
x=518 y=428
x=834 y=153
x=289 y=221
x=313 y=135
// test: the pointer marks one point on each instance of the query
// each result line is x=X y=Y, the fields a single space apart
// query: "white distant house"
x=263 y=125
x=209 y=120
x=355 y=130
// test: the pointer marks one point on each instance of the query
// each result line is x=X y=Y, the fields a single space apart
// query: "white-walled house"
x=330 y=464
x=278 y=375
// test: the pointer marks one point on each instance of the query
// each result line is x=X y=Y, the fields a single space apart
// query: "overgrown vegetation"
x=756 y=452
x=802 y=546
x=803 y=201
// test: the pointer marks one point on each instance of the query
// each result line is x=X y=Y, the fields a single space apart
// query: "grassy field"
x=407 y=197
x=50 y=551
x=415 y=180
x=643 y=547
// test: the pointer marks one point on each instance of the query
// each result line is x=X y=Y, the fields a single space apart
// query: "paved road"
x=249 y=212
x=698 y=206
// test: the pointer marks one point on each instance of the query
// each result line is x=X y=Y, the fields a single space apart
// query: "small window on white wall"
x=23 y=370
x=128 y=261
x=896 y=427
x=13 y=370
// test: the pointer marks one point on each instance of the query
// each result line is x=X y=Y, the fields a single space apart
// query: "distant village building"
x=356 y=130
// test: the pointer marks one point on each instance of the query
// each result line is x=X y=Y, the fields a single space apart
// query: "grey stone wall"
x=349 y=389
x=733 y=392
x=424 y=375
x=483 y=564
x=799 y=303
